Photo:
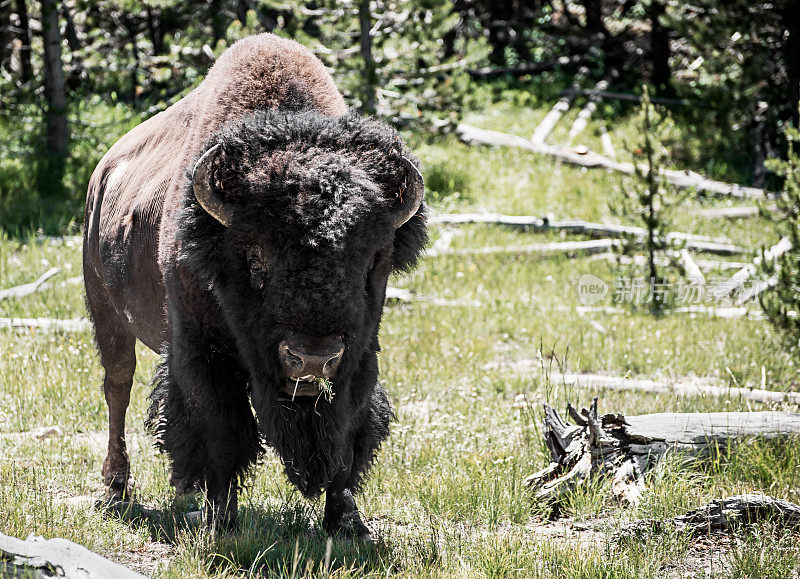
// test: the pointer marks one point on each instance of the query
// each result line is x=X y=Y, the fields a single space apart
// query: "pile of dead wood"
x=626 y=448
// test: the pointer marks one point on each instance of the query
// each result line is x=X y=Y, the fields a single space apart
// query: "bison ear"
x=205 y=189
x=411 y=192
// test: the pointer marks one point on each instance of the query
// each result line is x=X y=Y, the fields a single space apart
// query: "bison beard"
x=247 y=234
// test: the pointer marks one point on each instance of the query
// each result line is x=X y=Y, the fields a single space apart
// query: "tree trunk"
x=5 y=32
x=155 y=30
x=26 y=69
x=74 y=44
x=54 y=89
x=370 y=76
x=130 y=27
x=594 y=16
x=242 y=6
x=659 y=48
x=791 y=49
x=217 y=21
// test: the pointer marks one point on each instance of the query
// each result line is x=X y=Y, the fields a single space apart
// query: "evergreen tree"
x=648 y=199
x=781 y=304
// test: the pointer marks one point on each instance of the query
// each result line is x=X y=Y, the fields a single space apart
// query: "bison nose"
x=303 y=356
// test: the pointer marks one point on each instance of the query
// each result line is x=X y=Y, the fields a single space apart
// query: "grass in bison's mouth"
x=308 y=387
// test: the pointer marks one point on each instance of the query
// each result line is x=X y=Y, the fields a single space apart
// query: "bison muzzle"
x=247 y=234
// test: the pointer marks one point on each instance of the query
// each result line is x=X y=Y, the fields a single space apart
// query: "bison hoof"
x=119 y=486
x=349 y=526
x=225 y=523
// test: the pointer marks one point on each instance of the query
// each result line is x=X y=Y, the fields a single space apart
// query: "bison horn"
x=411 y=197
x=205 y=191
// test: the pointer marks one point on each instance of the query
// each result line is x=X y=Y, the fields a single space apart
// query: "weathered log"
x=403 y=295
x=46 y=324
x=608 y=146
x=700 y=243
x=579 y=125
x=548 y=123
x=697 y=387
x=583 y=157
x=729 y=212
x=578 y=227
x=641 y=260
x=740 y=277
x=554 y=248
x=722 y=515
x=29 y=288
x=692 y=270
x=36 y=556
x=626 y=448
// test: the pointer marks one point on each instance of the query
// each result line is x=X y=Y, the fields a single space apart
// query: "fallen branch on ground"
x=641 y=260
x=626 y=448
x=46 y=324
x=583 y=157
x=580 y=122
x=692 y=270
x=722 y=515
x=580 y=227
x=36 y=556
x=740 y=277
x=29 y=288
x=550 y=120
x=698 y=387
x=554 y=248
x=729 y=212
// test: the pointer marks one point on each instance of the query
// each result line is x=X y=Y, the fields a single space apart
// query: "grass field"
x=446 y=495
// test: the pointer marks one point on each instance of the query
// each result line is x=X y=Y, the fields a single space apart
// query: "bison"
x=247 y=234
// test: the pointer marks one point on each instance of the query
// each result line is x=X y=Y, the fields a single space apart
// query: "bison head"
x=295 y=222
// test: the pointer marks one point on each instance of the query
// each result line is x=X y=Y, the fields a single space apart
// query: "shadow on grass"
x=282 y=540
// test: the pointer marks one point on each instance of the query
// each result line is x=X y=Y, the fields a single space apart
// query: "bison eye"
x=255 y=261
x=256 y=266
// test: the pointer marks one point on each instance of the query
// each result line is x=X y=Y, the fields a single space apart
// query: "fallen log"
x=554 y=248
x=29 y=288
x=692 y=270
x=579 y=227
x=582 y=120
x=550 y=120
x=696 y=387
x=641 y=260
x=608 y=146
x=626 y=448
x=738 y=279
x=700 y=243
x=36 y=556
x=583 y=157
x=46 y=324
x=729 y=212
x=722 y=515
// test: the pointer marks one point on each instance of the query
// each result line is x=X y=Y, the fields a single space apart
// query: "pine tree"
x=781 y=304
x=648 y=199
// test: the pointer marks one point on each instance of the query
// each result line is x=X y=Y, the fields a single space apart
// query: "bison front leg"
x=342 y=516
x=201 y=416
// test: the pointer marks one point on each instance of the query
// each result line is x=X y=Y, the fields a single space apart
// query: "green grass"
x=446 y=494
